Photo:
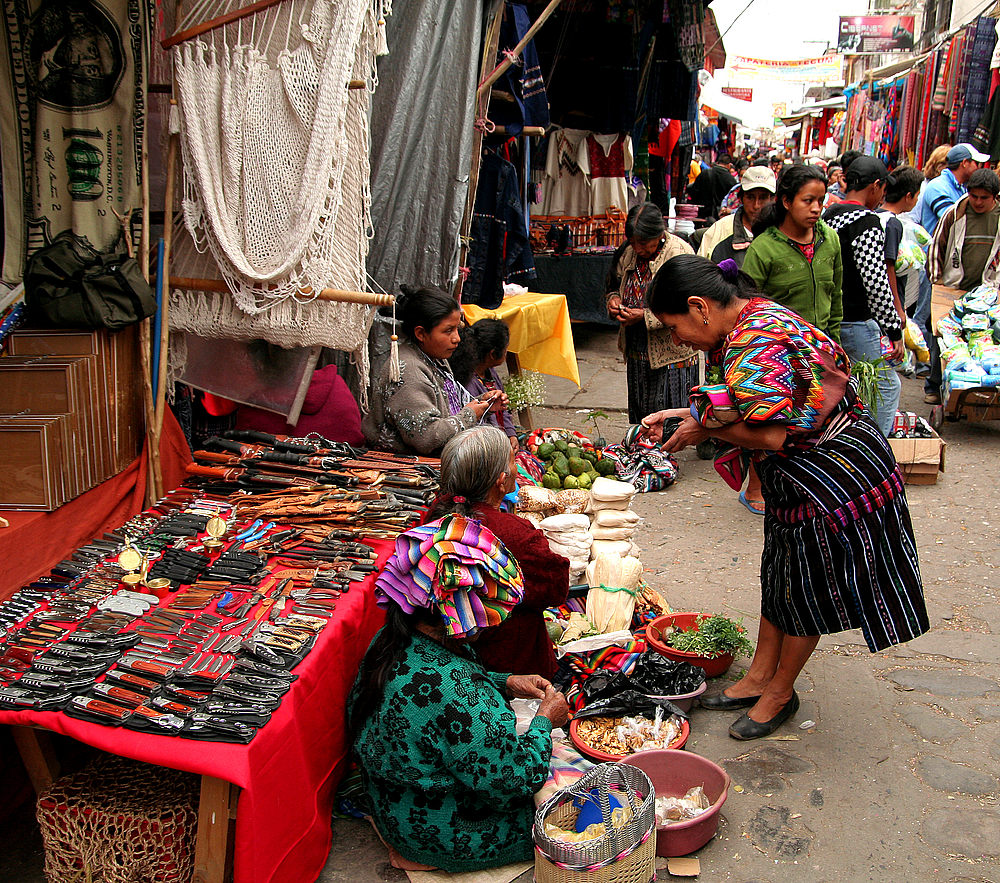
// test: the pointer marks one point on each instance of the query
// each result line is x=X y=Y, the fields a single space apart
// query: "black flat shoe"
x=746 y=728
x=722 y=702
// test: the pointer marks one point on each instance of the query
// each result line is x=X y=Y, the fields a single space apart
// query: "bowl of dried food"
x=616 y=738
x=690 y=792
x=711 y=642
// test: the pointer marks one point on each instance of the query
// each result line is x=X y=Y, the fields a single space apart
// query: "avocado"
x=562 y=446
x=577 y=465
x=545 y=451
x=584 y=482
x=590 y=456
x=571 y=482
x=561 y=467
x=605 y=467
x=573 y=451
x=551 y=481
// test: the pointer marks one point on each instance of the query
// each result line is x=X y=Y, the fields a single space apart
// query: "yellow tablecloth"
x=540 y=332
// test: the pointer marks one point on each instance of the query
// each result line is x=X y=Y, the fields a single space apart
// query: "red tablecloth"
x=290 y=770
x=37 y=540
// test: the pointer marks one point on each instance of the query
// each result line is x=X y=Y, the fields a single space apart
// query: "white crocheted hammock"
x=276 y=174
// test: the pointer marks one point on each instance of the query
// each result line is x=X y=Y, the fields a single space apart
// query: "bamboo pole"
x=499 y=70
x=168 y=239
x=491 y=43
x=337 y=295
x=154 y=475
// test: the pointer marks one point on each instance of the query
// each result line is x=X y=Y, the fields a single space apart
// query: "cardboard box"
x=921 y=459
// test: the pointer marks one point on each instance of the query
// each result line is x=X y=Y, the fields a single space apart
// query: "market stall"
x=239 y=668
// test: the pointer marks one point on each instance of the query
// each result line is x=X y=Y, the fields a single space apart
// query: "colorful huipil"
x=839 y=551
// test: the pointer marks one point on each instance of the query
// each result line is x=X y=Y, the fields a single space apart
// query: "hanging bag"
x=70 y=284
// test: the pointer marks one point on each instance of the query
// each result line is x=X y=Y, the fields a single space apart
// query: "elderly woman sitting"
x=477 y=471
x=449 y=779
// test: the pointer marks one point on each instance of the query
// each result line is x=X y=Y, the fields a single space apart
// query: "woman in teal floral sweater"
x=449 y=779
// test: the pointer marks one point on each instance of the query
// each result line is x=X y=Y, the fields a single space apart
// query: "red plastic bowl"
x=713 y=665
x=584 y=748
x=673 y=773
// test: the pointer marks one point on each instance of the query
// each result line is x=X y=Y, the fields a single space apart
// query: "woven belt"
x=870 y=501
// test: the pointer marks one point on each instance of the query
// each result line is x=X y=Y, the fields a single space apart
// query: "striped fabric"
x=839 y=551
x=457 y=566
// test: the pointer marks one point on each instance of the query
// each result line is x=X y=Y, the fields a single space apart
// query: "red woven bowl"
x=584 y=748
x=713 y=665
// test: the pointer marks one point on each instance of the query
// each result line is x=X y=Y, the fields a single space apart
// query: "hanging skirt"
x=653 y=389
x=839 y=551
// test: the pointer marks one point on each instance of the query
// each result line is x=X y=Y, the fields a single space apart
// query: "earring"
x=705 y=321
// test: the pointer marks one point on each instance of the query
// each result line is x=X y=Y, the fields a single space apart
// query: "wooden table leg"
x=524 y=415
x=37 y=755
x=213 y=853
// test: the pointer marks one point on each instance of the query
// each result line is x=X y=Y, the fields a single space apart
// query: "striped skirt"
x=653 y=389
x=839 y=551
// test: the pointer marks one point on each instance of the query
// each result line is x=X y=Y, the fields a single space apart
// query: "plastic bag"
x=629 y=702
x=653 y=675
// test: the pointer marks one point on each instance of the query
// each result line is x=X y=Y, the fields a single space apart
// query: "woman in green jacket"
x=795 y=259
x=449 y=779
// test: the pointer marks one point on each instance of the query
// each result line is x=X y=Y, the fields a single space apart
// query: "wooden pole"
x=218 y=22
x=329 y=294
x=168 y=239
x=490 y=46
x=499 y=70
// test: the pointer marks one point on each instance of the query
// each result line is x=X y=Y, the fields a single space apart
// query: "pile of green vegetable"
x=713 y=636
x=570 y=466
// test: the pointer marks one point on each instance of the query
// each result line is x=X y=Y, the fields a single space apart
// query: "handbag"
x=70 y=284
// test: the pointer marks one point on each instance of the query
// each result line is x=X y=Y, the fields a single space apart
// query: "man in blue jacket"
x=949 y=187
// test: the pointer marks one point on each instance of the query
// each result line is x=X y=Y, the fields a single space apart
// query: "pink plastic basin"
x=684 y=701
x=673 y=774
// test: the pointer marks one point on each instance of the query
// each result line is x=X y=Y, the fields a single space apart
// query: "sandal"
x=752 y=504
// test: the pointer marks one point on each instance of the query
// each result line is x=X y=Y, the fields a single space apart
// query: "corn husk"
x=614 y=583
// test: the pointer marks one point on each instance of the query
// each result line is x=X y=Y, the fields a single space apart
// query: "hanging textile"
x=421 y=144
x=72 y=87
x=500 y=251
x=275 y=151
x=523 y=79
x=976 y=92
x=687 y=18
x=565 y=190
x=605 y=160
x=888 y=144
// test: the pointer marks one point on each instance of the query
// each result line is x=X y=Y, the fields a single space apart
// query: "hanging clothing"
x=605 y=159
x=565 y=189
x=500 y=250
x=977 y=88
x=523 y=79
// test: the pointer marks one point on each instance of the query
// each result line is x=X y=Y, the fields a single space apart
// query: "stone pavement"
x=895 y=780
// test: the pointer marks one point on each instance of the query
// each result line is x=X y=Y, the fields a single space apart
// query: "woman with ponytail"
x=839 y=551
x=794 y=258
x=418 y=411
x=477 y=470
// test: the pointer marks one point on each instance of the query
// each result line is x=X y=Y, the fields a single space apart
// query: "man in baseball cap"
x=948 y=187
x=731 y=236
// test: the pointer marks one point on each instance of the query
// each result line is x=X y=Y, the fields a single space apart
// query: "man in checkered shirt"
x=870 y=307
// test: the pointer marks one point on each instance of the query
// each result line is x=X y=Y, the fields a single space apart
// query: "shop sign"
x=874 y=34
x=738 y=92
x=825 y=69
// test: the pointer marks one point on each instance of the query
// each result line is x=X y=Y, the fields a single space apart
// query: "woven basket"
x=624 y=855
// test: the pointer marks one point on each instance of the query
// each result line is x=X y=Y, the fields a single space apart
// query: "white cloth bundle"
x=569 y=536
x=607 y=493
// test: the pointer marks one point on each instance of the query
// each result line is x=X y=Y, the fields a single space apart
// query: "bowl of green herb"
x=711 y=642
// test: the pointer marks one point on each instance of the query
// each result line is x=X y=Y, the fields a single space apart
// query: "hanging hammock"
x=276 y=177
